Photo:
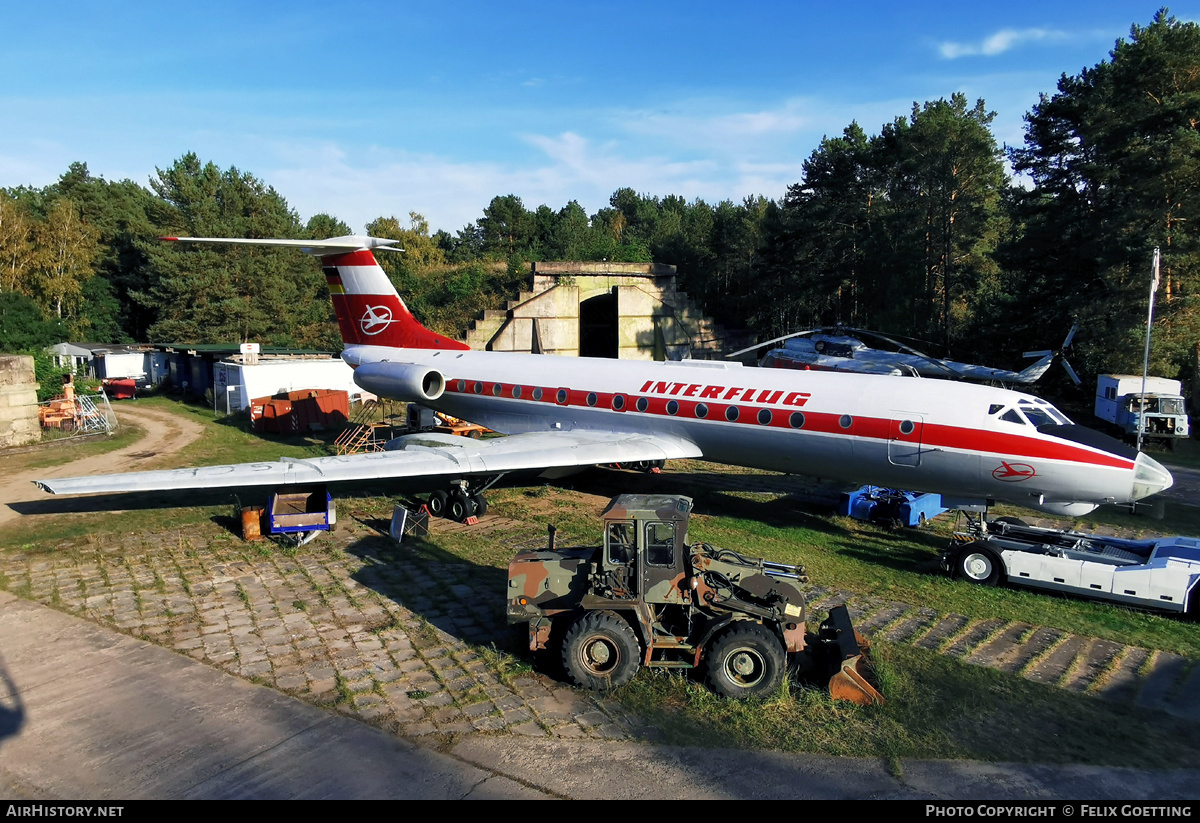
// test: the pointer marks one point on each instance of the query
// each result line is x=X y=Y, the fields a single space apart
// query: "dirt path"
x=166 y=434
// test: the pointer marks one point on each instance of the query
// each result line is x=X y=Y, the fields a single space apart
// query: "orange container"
x=252 y=522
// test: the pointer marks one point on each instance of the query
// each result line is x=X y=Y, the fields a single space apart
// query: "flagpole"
x=1146 y=356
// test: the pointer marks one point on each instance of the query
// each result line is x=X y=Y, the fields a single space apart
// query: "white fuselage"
x=926 y=435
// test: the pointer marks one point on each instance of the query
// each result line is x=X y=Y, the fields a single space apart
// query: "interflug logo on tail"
x=375 y=319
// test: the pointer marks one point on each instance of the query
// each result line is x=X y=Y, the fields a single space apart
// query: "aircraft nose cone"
x=1149 y=477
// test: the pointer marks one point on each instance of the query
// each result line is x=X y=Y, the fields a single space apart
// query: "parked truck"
x=1120 y=402
x=645 y=596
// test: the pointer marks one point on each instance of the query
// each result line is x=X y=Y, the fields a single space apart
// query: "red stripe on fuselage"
x=932 y=435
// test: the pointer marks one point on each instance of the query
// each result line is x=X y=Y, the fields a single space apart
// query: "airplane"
x=841 y=348
x=973 y=444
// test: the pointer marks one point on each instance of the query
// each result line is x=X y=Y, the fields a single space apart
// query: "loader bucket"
x=846 y=658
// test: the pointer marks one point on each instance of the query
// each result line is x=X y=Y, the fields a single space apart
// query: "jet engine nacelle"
x=401 y=381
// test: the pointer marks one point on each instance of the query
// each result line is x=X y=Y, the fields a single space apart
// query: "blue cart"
x=302 y=512
x=894 y=508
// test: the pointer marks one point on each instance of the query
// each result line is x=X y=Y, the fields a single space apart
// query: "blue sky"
x=363 y=109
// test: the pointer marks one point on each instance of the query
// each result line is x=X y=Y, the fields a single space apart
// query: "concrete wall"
x=656 y=322
x=18 y=401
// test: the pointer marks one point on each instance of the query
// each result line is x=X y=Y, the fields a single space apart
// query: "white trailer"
x=1158 y=573
x=236 y=384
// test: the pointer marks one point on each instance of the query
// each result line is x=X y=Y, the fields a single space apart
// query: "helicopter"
x=843 y=348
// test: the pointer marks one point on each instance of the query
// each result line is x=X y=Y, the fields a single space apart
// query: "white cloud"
x=358 y=186
x=1000 y=42
x=711 y=125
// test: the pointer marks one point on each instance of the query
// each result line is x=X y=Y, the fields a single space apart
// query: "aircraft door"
x=904 y=438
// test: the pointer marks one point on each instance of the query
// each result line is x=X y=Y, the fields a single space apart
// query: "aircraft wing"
x=414 y=455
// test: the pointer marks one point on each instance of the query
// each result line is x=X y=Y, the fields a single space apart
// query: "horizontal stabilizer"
x=320 y=248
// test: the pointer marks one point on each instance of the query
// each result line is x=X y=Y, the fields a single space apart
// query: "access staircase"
x=369 y=430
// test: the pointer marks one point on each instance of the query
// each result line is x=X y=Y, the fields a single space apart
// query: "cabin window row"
x=764 y=417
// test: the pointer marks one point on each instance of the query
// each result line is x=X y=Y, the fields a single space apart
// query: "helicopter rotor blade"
x=906 y=349
x=1071 y=372
x=1070 y=336
x=757 y=346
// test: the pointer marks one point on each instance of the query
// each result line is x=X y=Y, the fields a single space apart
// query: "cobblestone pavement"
x=352 y=620
x=408 y=640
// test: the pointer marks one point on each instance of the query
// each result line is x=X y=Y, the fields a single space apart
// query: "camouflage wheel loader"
x=647 y=597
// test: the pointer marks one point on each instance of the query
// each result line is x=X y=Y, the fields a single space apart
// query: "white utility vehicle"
x=1162 y=411
x=1158 y=573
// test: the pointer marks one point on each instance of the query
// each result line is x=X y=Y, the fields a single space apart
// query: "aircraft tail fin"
x=369 y=310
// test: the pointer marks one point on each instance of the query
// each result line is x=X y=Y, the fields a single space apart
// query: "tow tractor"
x=1159 y=573
x=646 y=597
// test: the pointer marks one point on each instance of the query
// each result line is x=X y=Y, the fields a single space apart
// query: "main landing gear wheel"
x=437 y=503
x=460 y=506
x=644 y=466
x=979 y=566
x=461 y=500
x=601 y=651
x=746 y=661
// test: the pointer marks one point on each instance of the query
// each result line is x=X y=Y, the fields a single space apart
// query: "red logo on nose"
x=1013 y=472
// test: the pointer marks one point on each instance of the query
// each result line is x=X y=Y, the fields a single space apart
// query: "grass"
x=937 y=706
x=845 y=554
x=1186 y=453
x=226 y=441
x=58 y=452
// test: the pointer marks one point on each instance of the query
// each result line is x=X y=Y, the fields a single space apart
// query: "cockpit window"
x=1011 y=416
x=1041 y=416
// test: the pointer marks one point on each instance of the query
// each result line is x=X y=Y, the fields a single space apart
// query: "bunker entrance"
x=598 y=326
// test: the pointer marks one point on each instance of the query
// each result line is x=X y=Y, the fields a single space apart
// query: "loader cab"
x=645 y=545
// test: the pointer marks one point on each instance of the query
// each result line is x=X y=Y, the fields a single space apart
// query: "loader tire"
x=747 y=660
x=601 y=652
